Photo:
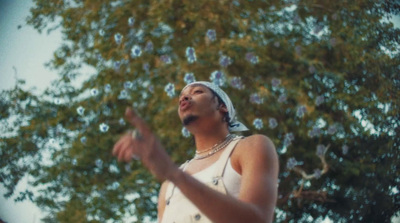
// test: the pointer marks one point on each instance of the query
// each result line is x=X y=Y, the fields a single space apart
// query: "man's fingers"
x=136 y=121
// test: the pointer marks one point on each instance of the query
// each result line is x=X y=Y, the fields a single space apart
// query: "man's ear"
x=223 y=108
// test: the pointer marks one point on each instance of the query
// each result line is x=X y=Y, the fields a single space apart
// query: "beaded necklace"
x=217 y=147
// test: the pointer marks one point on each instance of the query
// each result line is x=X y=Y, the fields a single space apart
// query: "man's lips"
x=184 y=105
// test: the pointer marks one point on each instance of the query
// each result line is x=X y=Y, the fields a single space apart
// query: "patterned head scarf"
x=233 y=124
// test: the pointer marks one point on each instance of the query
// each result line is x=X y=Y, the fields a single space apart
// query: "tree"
x=320 y=78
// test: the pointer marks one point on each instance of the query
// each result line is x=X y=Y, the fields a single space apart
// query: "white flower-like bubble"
x=258 y=123
x=211 y=35
x=131 y=21
x=80 y=110
x=103 y=127
x=252 y=58
x=185 y=132
x=83 y=139
x=237 y=83
x=218 y=78
x=107 y=88
x=301 y=110
x=99 y=163
x=136 y=51
x=225 y=61
x=189 y=78
x=121 y=121
x=118 y=38
x=170 y=89
x=272 y=123
x=123 y=94
x=166 y=59
x=256 y=99
x=94 y=91
x=319 y=100
x=191 y=54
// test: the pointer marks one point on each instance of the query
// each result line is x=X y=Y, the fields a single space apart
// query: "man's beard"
x=189 y=119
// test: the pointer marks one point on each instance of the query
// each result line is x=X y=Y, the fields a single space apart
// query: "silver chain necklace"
x=215 y=148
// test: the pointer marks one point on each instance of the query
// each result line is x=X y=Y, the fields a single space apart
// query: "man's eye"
x=198 y=91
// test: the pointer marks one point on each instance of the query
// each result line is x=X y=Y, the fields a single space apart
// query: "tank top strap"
x=223 y=160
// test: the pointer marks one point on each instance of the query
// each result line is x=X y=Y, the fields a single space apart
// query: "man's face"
x=196 y=101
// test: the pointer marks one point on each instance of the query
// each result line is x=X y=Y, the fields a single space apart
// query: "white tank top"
x=220 y=176
x=231 y=178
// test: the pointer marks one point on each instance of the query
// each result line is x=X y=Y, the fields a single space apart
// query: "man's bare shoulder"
x=256 y=143
x=255 y=149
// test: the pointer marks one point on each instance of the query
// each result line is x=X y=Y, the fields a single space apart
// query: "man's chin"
x=189 y=119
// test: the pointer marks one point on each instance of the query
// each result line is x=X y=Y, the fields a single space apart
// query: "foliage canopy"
x=320 y=78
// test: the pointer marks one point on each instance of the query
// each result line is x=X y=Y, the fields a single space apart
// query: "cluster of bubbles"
x=218 y=78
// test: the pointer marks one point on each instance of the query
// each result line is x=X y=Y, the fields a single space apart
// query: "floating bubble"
x=94 y=92
x=277 y=44
x=332 y=129
x=80 y=110
x=83 y=139
x=117 y=65
x=189 y=78
x=252 y=58
x=301 y=110
x=136 y=51
x=272 y=123
x=258 y=123
x=225 y=61
x=289 y=136
x=74 y=162
x=190 y=54
x=166 y=59
x=319 y=100
x=236 y=82
x=218 y=78
x=99 y=163
x=185 y=132
x=149 y=46
x=122 y=121
x=146 y=67
x=282 y=98
x=113 y=169
x=128 y=85
x=103 y=127
x=57 y=101
x=123 y=94
x=314 y=132
x=118 y=38
x=345 y=149
x=102 y=32
x=211 y=35
x=256 y=99
x=321 y=150
x=317 y=173
x=107 y=88
x=131 y=21
x=275 y=82
x=170 y=89
x=291 y=163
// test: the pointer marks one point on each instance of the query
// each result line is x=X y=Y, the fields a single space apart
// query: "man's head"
x=219 y=100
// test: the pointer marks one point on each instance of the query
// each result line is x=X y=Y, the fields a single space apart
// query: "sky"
x=23 y=53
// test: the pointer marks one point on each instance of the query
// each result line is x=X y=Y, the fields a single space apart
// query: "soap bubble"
x=118 y=38
x=185 y=132
x=103 y=127
x=258 y=123
x=170 y=89
x=218 y=78
x=189 y=78
x=136 y=51
x=211 y=35
x=80 y=110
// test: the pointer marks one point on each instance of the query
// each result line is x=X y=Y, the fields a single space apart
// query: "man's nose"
x=184 y=98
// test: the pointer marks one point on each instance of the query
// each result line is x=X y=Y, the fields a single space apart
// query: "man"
x=231 y=179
